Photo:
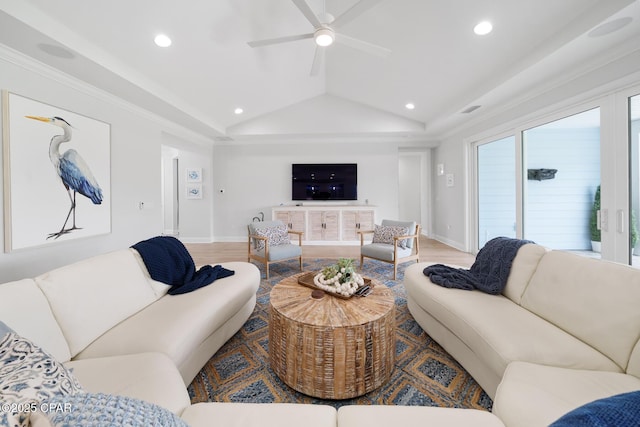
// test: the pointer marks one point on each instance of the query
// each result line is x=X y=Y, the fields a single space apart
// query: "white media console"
x=327 y=224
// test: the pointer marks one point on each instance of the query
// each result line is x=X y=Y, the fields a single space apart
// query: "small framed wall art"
x=194 y=191
x=194 y=175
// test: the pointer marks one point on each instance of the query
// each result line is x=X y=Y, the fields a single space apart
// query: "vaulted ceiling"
x=435 y=62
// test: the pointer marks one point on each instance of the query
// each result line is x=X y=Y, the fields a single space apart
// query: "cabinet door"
x=323 y=225
x=349 y=230
x=366 y=220
x=330 y=226
x=282 y=216
x=316 y=225
x=296 y=220
x=354 y=221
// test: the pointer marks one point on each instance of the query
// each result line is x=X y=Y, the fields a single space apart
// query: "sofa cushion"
x=275 y=232
x=260 y=414
x=528 y=387
x=159 y=288
x=522 y=268
x=177 y=324
x=277 y=253
x=589 y=299
x=411 y=226
x=29 y=375
x=99 y=409
x=383 y=251
x=90 y=297
x=387 y=233
x=413 y=416
x=25 y=309
x=148 y=376
x=510 y=333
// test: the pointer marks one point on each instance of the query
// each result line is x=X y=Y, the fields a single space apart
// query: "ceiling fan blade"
x=266 y=42
x=307 y=12
x=318 y=60
x=363 y=46
x=355 y=10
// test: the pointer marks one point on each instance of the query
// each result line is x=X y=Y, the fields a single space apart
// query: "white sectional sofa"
x=119 y=331
x=120 y=334
x=564 y=332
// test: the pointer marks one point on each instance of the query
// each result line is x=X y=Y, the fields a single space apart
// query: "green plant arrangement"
x=593 y=220
x=340 y=278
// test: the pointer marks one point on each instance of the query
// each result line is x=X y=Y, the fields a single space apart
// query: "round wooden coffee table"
x=331 y=348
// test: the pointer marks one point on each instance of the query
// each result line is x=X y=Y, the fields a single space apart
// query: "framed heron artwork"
x=57 y=169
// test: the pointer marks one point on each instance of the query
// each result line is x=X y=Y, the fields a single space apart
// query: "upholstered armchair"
x=395 y=242
x=270 y=242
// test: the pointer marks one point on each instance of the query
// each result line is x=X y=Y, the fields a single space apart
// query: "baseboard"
x=196 y=240
x=230 y=239
x=456 y=245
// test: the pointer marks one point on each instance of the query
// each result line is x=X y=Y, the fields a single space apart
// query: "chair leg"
x=361 y=262
x=395 y=270
x=267 y=268
x=300 y=263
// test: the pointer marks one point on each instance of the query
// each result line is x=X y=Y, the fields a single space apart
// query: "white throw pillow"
x=29 y=376
x=386 y=234
x=276 y=235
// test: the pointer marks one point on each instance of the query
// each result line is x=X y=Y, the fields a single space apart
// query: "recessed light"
x=162 y=40
x=409 y=106
x=238 y=110
x=483 y=28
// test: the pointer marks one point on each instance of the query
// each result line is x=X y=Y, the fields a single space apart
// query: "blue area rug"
x=424 y=373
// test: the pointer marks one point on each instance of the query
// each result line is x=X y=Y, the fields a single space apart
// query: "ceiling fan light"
x=324 y=37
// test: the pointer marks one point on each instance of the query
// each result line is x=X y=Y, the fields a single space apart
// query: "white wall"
x=135 y=167
x=256 y=177
x=195 y=215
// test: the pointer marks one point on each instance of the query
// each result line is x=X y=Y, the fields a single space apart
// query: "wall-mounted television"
x=324 y=181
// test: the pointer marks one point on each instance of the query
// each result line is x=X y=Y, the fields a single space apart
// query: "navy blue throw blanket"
x=489 y=273
x=168 y=261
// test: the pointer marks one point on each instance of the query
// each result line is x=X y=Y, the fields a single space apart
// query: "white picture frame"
x=37 y=206
x=194 y=191
x=194 y=175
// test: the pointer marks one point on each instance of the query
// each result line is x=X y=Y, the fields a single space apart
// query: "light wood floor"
x=430 y=251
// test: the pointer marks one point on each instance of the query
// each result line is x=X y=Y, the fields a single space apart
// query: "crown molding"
x=50 y=73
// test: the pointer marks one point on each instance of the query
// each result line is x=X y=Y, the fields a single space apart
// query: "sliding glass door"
x=561 y=166
x=496 y=189
x=568 y=181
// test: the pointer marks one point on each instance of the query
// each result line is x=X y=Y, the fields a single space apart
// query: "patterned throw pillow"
x=29 y=375
x=99 y=410
x=277 y=235
x=386 y=233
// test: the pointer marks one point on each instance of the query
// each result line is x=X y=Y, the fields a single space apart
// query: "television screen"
x=335 y=181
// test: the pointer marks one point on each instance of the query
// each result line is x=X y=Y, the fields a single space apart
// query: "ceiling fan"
x=324 y=33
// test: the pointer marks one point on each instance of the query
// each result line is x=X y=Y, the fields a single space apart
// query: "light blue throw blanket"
x=489 y=273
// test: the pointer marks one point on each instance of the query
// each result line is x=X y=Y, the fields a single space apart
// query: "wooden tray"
x=307 y=280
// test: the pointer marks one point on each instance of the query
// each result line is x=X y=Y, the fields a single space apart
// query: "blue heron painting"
x=73 y=172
